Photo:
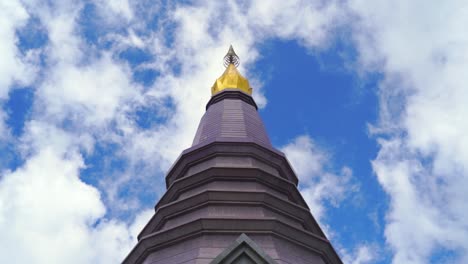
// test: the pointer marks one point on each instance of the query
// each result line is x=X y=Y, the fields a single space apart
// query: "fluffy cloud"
x=49 y=215
x=91 y=93
x=46 y=211
x=421 y=49
x=363 y=254
x=13 y=67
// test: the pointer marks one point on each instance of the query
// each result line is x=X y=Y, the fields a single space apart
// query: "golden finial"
x=231 y=78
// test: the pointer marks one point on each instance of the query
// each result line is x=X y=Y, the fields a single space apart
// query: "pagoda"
x=231 y=197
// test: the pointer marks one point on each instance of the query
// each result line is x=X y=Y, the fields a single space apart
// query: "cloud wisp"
x=322 y=188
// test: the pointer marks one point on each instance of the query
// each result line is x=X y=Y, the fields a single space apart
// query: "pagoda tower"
x=232 y=197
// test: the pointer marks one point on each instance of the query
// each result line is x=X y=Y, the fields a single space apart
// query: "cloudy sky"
x=368 y=99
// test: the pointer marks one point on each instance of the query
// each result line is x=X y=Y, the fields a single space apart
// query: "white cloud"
x=49 y=215
x=13 y=67
x=309 y=22
x=421 y=48
x=427 y=210
x=362 y=254
x=92 y=92
x=121 y=7
x=319 y=185
x=46 y=211
x=306 y=158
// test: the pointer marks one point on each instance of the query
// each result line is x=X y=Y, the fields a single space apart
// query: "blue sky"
x=366 y=98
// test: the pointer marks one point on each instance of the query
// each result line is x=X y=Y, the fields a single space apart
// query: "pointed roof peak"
x=231 y=58
x=243 y=248
x=231 y=78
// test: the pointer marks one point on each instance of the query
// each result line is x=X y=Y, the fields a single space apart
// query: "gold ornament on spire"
x=231 y=78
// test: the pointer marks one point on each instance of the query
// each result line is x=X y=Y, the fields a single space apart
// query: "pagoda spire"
x=232 y=197
x=231 y=78
x=231 y=57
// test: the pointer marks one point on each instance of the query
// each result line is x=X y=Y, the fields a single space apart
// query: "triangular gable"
x=243 y=251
